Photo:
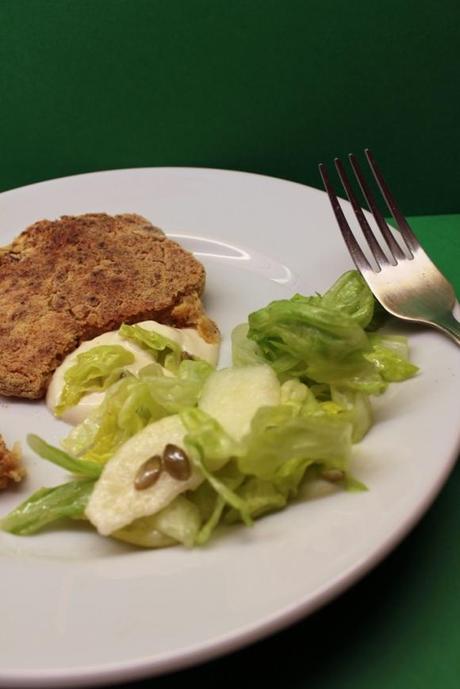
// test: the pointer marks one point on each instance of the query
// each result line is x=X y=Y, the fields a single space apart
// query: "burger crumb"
x=11 y=468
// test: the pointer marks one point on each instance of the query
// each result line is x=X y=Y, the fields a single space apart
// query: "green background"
x=271 y=86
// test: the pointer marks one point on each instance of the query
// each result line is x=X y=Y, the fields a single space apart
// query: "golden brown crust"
x=68 y=280
x=11 y=469
x=191 y=309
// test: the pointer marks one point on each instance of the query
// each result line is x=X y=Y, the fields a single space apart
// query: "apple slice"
x=233 y=395
x=115 y=501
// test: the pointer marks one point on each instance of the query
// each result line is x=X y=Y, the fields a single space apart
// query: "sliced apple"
x=115 y=502
x=179 y=522
x=233 y=395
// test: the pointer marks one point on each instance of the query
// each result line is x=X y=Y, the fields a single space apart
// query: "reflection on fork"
x=404 y=280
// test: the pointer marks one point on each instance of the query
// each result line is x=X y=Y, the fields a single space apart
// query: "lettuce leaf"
x=290 y=476
x=245 y=352
x=358 y=407
x=299 y=396
x=283 y=442
x=322 y=340
x=80 y=467
x=163 y=350
x=48 y=505
x=260 y=497
x=279 y=435
x=389 y=354
x=222 y=489
x=133 y=403
x=301 y=340
x=211 y=504
x=94 y=371
x=351 y=295
x=205 y=435
x=212 y=522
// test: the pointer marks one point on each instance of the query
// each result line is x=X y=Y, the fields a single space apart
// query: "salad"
x=179 y=447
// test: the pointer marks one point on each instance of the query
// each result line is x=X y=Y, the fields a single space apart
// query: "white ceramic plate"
x=82 y=610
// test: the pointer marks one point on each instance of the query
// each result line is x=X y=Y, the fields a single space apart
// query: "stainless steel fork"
x=405 y=281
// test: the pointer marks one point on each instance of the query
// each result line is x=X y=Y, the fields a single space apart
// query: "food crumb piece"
x=11 y=468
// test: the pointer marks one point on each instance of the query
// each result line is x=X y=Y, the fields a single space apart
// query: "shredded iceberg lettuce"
x=133 y=403
x=328 y=359
x=322 y=339
x=79 y=467
x=261 y=472
x=162 y=349
x=94 y=371
x=48 y=505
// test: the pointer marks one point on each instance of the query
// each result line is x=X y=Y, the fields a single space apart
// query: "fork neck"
x=450 y=325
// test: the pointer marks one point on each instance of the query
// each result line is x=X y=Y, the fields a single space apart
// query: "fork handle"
x=450 y=325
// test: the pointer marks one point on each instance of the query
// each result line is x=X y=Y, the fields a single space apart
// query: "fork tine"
x=365 y=227
x=393 y=246
x=409 y=237
x=356 y=253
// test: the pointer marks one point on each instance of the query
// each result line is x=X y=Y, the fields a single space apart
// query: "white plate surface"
x=82 y=610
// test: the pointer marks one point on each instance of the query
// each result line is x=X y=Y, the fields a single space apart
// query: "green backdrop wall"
x=270 y=86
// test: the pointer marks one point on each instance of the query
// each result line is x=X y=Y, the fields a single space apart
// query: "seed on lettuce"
x=333 y=475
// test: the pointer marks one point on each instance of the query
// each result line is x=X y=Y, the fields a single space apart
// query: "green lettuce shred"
x=133 y=403
x=279 y=434
x=48 y=505
x=323 y=340
x=329 y=360
x=263 y=471
x=350 y=295
x=389 y=354
x=80 y=467
x=260 y=497
x=94 y=371
x=163 y=350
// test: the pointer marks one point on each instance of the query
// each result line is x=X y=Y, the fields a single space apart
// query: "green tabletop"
x=399 y=627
